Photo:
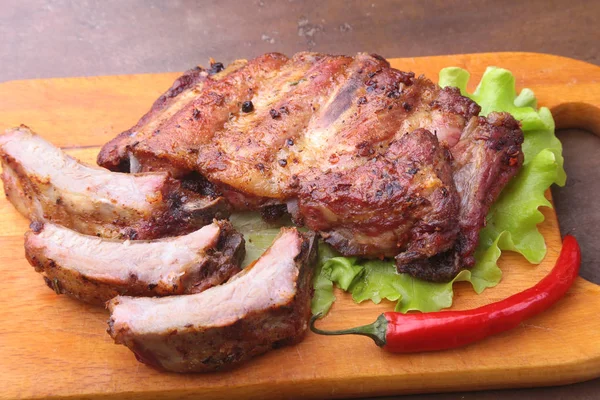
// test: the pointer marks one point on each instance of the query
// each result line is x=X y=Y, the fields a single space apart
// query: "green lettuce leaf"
x=516 y=211
x=496 y=92
x=323 y=296
x=378 y=280
x=511 y=222
x=258 y=234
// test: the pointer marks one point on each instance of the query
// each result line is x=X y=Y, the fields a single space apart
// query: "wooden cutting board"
x=52 y=346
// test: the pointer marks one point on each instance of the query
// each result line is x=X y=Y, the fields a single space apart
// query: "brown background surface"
x=55 y=38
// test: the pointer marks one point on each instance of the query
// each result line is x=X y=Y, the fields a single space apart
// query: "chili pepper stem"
x=375 y=330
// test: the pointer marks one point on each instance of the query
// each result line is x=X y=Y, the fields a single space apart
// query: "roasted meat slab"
x=264 y=306
x=378 y=161
x=95 y=270
x=44 y=183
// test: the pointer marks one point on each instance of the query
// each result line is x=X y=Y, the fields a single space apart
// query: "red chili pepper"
x=416 y=332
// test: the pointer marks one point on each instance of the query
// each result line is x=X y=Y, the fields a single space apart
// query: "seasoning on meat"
x=44 y=183
x=95 y=270
x=348 y=135
x=263 y=307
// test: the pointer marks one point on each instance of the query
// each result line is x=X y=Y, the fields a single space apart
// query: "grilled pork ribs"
x=265 y=306
x=95 y=270
x=44 y=183
x=378 y=161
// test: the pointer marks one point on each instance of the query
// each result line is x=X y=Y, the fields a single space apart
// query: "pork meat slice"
x=325 y=137
x=44 y=183
x=95 y=270
x=264 y=306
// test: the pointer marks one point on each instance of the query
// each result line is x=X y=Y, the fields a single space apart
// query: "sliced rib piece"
x=264 y=306
x=43 y=183
x=322 y=139
x=95 y=270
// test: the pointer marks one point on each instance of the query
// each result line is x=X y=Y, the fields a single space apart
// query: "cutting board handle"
x=578 y=115
x=574 y=98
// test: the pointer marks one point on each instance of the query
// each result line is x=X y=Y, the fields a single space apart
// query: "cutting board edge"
x=378 y=386
x=549 y=56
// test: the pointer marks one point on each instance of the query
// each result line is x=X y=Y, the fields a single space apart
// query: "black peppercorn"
x=216 y=68
x=247 y=106
x=274 y=113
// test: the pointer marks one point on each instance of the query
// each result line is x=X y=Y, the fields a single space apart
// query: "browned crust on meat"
x=320 y=141
x=486 y=158
x=113 y=154
x=180 y=124
x=175 y=210
x=219 y=348
x=185 y=212
x=408 y=192
x=212 y=268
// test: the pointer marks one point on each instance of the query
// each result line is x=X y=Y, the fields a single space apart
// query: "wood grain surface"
x=53 y=346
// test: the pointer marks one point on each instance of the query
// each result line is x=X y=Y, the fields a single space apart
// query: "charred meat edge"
x=265 y=306
x=95 y=270
x=44 y=183
x=320 y=139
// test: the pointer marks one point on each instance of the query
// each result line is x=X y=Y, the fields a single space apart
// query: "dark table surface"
x=55 y=38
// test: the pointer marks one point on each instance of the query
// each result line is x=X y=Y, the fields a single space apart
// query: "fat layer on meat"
x=44 y=183
x=356 y=150
x=264 y=306
x=95 y=270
